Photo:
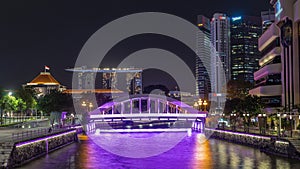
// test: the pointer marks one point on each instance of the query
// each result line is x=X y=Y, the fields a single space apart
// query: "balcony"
x=272 y=90
x=269 y=56
x=269 y=35
x=267 y=70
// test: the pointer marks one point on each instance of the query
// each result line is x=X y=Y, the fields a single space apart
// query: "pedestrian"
x=50 y=130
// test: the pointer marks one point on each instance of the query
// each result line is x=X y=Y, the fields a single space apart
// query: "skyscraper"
x=244 y=32
x=220 y=58
x=203 y=51
x=220 y=37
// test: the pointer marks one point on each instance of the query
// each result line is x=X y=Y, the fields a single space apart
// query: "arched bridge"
x=146 y=107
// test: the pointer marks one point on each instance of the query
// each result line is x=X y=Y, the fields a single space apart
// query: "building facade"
x=220 y=38
x=278 y=77
x=267 y=17
x=245 y=31
x=220 y=59
x=268 y=82
x=287 y=19
x=203 y=51
x=44 y=83
x=86 y=78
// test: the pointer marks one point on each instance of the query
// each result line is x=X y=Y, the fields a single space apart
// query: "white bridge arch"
x=148 y=107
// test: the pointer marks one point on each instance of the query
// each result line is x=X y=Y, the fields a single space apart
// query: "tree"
x=28 y=97
x=233 y=105
x=56 y=101
x=238 y=89
x=21 y=105
x=9 y=103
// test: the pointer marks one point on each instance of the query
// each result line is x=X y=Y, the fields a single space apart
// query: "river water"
x=189 y=153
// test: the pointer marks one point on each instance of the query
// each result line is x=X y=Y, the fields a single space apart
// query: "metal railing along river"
x=31 y=134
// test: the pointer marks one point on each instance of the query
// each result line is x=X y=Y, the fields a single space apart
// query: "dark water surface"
x=189 y=153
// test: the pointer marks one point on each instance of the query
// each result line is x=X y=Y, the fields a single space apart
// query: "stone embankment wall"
x=267 y=144
x=26 y=151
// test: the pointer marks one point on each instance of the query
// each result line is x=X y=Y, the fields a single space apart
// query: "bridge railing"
x=30 y=134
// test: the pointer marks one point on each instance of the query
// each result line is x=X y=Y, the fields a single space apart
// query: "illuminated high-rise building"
x=220 y=58
x=244 y=33
x=203 y=51
x=86 y=78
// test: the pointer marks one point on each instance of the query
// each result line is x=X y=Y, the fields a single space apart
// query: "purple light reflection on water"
x=190 y=153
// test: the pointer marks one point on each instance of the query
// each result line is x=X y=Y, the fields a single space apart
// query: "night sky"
x=52 y=32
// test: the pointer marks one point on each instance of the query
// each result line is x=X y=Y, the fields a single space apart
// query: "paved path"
x=6 y=132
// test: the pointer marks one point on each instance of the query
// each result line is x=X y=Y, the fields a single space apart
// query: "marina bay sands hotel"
x=125 y=79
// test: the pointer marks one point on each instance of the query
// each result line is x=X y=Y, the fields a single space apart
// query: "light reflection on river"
x=189 y=153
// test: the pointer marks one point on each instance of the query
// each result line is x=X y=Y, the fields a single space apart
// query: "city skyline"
x=35 y=34
x=168 y=84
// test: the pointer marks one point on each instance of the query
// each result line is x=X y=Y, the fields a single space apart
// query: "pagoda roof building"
x=44 y=83
x=44 y=78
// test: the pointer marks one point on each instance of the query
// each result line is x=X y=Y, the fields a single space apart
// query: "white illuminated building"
x=220 y=58
x=278 y=77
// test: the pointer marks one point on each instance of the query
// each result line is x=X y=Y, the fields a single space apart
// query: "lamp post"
x=87 y=105
x=200 y=104
x=223 y=119
x=279 y=125
x=246 y=123
x=84 y=105
x=233 y=120
x=205 y=104
x=262 y=123
x=196 y=105
x=291 y=121
x=90 y=106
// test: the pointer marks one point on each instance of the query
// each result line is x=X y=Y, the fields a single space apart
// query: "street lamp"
x=223 y=120
x=84 y=105
x=247 y=123
x=291 y=121
x=233 y=120
x=262 y=123
x=205 y=104
x=279 y=125
x=196 y=105
x=88 y=105
x=200 y=104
